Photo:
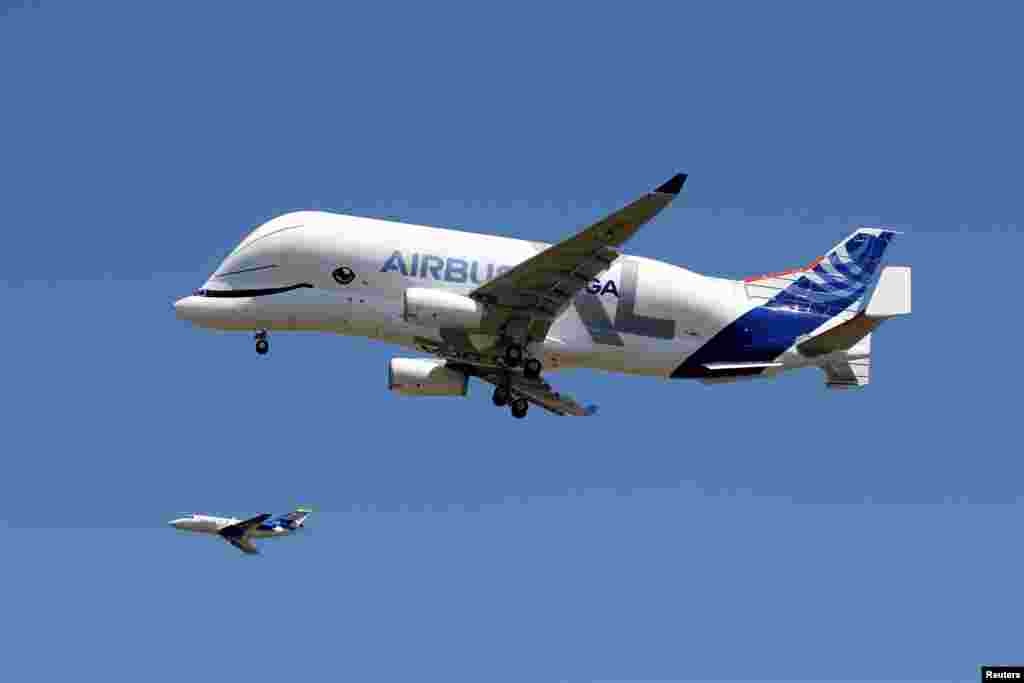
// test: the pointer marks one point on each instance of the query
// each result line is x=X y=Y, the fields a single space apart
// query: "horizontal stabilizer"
x=892 y=294
x=841 y=337
x=890 y=298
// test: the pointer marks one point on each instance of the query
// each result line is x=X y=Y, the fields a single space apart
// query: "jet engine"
x=438 y=308
x=425 y=377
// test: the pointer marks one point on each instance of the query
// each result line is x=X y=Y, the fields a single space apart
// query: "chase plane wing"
x=243 y=543
x=243 y=527
x=237 y=534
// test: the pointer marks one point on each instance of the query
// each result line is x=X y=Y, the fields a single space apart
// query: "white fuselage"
x=209 y=524
x=641 y=316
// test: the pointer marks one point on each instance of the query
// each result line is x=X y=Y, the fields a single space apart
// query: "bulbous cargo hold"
x=425 y=377
x=438 y=308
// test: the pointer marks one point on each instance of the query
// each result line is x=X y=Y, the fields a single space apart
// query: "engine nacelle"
x=425 y=377
x=438 y=308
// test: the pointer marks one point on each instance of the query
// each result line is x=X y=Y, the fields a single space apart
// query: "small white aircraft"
x=504 y=310
x=240 y=532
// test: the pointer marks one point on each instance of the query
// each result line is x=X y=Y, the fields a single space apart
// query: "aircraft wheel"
x=513 y=355
x=532 y=368
x=500 y=397
x=262 y=346
x=519 y=408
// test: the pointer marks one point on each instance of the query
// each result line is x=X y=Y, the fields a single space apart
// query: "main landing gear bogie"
x=517 y=406
x=532 y=368
x=515 y=356
x=262 y=345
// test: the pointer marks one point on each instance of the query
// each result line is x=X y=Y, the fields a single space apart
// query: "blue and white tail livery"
x=839 y=280
x=511 y=312
x=790 y=307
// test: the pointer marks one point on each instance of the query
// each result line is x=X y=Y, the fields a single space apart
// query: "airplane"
x=507 y=310
x=240 y=532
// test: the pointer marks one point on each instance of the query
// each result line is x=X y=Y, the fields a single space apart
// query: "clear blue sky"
x=756 y=531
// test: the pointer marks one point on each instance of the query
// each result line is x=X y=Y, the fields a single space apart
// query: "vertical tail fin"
x=297 y=517
x=831 y=284
x=839 y=280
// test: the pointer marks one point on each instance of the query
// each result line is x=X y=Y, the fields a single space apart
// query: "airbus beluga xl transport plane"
x=509 y=311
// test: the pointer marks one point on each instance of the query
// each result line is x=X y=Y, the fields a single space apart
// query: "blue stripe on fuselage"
x=764 y=333
x=759 y=336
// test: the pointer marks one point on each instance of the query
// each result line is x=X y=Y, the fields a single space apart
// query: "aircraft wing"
x=237 y=534
x=239 y=529
x=243 y=543
x=537 y=290
x=536 y=391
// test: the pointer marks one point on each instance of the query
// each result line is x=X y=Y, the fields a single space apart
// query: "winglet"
x=673 y=185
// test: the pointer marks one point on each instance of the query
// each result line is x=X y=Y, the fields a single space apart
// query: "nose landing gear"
x=262 y=345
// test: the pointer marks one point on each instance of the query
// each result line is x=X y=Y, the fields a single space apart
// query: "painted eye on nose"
x=343 y=275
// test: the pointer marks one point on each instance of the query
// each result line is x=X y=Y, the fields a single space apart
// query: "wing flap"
x=536 y=391
x=541 y=394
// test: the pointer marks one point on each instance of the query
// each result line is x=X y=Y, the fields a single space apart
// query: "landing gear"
x=513 y=355
x=532 y=368
x=501 y=397
x=519 y=408
x=262 y=345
